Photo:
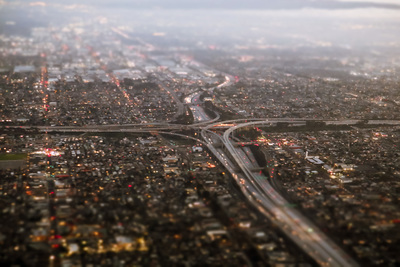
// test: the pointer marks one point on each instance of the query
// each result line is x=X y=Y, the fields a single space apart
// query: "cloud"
x=231 y=4
x=38 y=4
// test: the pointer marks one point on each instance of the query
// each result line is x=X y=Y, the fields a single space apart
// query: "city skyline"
x=262 y=134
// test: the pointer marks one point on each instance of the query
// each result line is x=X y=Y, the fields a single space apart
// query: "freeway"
x=193 y=101
x=199 y=115
x=302 y=231
x=255 y=186
x=205 y=125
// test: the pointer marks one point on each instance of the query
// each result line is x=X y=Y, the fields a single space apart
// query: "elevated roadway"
x=301 y=230
x=240 y=162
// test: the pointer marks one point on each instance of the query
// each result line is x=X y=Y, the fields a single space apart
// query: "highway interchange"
x=261 y=193
x=240 y=162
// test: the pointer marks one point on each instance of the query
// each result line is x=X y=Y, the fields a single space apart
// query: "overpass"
x=255 y=186
x=258 y=189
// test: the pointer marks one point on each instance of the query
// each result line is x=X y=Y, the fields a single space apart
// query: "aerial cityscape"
x=204 y=133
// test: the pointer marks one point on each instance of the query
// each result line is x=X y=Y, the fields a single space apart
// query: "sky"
x=347 y=23
x=224 y=4
x=397 y=2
